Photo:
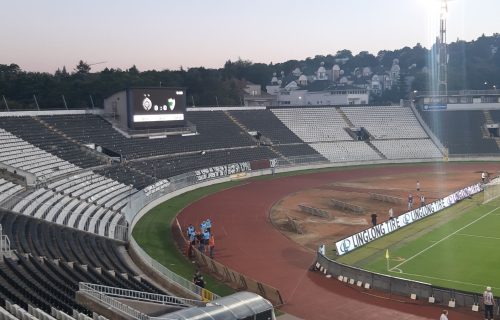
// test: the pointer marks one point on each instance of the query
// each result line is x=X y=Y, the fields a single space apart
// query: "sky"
x=165 y=34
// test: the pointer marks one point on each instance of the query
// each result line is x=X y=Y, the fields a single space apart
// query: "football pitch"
x=457 y=248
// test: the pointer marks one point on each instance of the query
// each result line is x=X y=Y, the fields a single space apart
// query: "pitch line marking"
x=445 y=238
x=443 y=279
x=476 y=236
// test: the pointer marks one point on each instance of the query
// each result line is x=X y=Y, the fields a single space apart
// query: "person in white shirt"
x=489 y=302
x=444 y=315
x=391 y=214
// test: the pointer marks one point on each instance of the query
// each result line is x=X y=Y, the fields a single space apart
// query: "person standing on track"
x=444 y=315
x=489 y=302
x=391 y=214
x=418 y=186
x=374 y=219
x=211 y=245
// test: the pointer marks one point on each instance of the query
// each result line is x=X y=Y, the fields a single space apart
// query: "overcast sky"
x=163 y=34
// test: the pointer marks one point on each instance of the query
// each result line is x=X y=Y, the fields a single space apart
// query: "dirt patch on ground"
x=310 y=230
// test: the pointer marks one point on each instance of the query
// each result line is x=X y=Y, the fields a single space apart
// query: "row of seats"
x=408 y=149
x=266 y=123
x=20 y=154
x=386 y=122
x=32 y=130
x=214 y=130
x=91 y=214
x=171 y=166
x=7 y=189
x=346 y=151
x=314 y=124
x=462 y=132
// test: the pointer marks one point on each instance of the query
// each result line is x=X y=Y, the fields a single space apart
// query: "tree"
x=82 y=68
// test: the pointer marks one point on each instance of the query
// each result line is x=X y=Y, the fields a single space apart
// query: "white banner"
x=359 y=239
x=222 y=171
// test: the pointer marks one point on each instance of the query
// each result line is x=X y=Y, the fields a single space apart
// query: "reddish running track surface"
x=248 y=242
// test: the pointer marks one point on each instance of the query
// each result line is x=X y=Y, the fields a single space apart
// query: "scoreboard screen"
x=156 y=107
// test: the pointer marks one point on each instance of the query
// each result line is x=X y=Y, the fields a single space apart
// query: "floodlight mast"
x=442 y=50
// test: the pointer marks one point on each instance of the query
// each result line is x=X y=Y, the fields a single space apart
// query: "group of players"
x=203 y=238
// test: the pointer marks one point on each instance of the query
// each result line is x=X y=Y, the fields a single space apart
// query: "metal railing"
x=141 y=295
x=112 y=302
x=4 y=244
x=173 y=277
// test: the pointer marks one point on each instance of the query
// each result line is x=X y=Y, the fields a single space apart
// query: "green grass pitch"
x=457 y=248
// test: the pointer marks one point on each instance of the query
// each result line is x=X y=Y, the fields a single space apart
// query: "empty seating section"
x=33 y=131
x=51 y=260
x=127 y=175
x=461 y=131
x=386 y=122
x=215 y=131
x=345 y=151
x=87 y=201
x=265 y=122
x=20 y=154
x=314 y=124
x=408 y=149
x=169 y=167
x=7 y=189
x=297 y=150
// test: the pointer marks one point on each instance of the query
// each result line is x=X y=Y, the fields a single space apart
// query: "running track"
x=247 y=242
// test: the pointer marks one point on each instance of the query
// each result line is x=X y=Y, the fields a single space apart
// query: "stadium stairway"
x=371 y=145
x=344 y=116
x=55 y=130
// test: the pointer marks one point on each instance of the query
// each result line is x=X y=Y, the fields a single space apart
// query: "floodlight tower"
x=442 y=50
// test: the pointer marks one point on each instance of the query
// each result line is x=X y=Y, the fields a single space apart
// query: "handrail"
x=141 y=295
x=136 y=314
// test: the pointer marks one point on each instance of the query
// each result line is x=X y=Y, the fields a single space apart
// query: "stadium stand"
x=44 y=137
x=345 y=151
x=386 y=122
x=461 y=131
x=215 y=131
x=50 y=260
x=171 y=166
x=22 y=155
x=266 y=123
x=314 y=124
x=62 y=229
x=408 y=149
x=297 y=150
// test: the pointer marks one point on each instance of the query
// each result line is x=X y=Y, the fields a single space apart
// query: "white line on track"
x=476 y=236
x=447 y=237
